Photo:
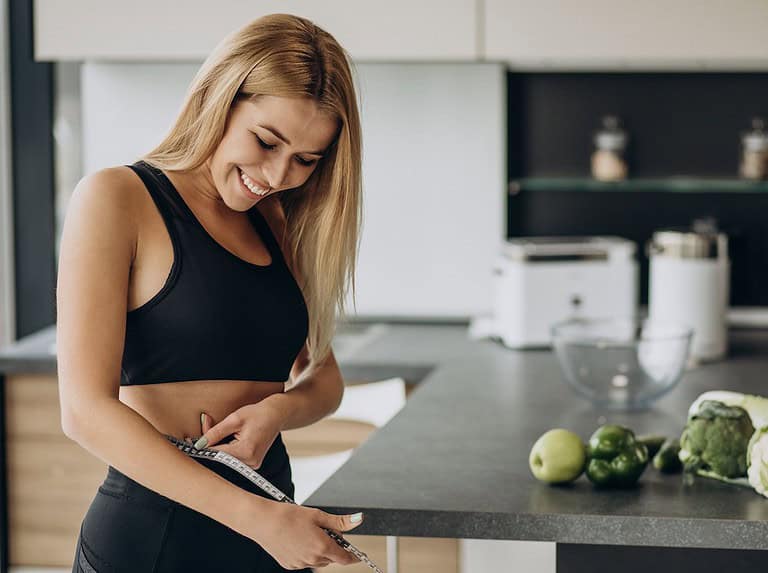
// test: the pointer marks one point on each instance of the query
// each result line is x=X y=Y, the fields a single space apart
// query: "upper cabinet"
x=168 y=30
x=526 y=34
x=627 y=34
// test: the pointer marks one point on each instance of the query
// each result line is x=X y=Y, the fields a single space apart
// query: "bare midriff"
x=174 y=407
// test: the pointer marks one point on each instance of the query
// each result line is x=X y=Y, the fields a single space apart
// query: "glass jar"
x=608 y=159
x=754 y=156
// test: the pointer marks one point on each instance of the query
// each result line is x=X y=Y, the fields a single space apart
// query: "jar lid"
x=696 y=243
x=757 y=138
x=611 y=137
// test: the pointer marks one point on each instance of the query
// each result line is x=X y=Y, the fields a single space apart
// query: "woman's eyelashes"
x=304 y=162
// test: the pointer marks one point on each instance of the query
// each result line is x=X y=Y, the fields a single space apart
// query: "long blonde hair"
x=289 y=56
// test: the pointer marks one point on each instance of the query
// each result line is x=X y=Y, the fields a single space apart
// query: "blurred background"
x=480 y=115
x=484 y=121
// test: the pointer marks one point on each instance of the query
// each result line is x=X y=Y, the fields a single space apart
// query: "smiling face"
x=269 y=145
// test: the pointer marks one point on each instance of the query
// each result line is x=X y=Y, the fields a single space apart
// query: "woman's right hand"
x=295 y=535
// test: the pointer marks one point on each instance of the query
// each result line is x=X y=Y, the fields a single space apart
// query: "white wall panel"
x=435 y=171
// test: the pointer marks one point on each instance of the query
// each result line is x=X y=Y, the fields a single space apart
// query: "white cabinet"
x=627 y=34
x=527 y=34
x=369 y=30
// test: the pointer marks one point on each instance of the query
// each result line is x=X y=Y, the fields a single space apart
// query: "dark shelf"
x=662 y=184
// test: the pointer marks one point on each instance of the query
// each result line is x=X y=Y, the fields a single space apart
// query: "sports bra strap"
x=166 y=199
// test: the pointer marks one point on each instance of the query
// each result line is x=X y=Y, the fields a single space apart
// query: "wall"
x=7 y=316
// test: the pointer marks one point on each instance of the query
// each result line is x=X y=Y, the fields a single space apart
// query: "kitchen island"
x=453 y=462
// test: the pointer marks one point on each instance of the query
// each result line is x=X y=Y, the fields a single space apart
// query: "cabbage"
x=757 y=448
x=757 y=461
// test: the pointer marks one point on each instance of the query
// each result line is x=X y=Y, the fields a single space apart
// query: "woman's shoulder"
x=120 y=186
x=113 y=191
x=118 y=183
x=101 y=212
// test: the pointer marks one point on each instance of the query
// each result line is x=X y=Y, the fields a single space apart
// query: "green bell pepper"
x=614 y=457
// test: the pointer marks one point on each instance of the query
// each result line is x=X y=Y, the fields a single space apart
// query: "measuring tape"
x=254 y=476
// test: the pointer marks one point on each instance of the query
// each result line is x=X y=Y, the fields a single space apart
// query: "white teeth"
x=252 y=186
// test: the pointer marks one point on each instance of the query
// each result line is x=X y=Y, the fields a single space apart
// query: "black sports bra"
x=217 y=317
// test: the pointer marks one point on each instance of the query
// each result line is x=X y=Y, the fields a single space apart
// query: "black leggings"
x=130 y=528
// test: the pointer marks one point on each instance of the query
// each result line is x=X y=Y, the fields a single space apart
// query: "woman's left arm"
x=311 y=395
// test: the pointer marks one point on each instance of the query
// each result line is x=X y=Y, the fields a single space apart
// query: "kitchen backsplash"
x=679 y=124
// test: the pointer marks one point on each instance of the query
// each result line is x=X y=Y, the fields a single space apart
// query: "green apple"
x=558 y=456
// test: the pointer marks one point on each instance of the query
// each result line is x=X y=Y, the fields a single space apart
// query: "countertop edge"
x=617 y=530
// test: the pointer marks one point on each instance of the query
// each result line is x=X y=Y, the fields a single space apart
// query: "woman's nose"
x=276 y=172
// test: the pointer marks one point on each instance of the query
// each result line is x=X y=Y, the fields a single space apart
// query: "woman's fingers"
x=339 y=523
x=206 y=422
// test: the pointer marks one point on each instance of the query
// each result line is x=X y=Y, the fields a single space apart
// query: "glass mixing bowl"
x=624 y=363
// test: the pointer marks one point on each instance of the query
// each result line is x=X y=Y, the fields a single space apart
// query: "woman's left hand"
x=254 y=428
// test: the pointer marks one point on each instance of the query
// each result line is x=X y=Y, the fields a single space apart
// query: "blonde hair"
x=288 y=56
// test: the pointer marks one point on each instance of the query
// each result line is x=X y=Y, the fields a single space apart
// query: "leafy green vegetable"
x=715 y=439
x=757 y=461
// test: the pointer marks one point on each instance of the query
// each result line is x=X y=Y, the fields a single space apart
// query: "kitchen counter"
x=454 y=461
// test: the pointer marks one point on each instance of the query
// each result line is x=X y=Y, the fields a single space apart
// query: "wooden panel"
x=415 y=555
x=51 y=479
x=625 y=34
x=428 y=555
x=326 y=437
x=374 y=546
x=189 y=29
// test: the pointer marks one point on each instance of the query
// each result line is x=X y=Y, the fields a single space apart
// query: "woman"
x=200 y=286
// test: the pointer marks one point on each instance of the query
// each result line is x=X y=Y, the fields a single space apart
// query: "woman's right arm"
x=97 y=249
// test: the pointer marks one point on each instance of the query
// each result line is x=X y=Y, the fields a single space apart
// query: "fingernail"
x=202 y=419
x=356 y=518
x=201 y=443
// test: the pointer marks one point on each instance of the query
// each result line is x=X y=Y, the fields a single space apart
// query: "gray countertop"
x=454 y=461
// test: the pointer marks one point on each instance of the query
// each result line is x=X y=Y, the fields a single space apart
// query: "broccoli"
x=714 y=441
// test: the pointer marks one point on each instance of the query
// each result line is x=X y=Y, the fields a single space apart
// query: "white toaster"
x=539 y=281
